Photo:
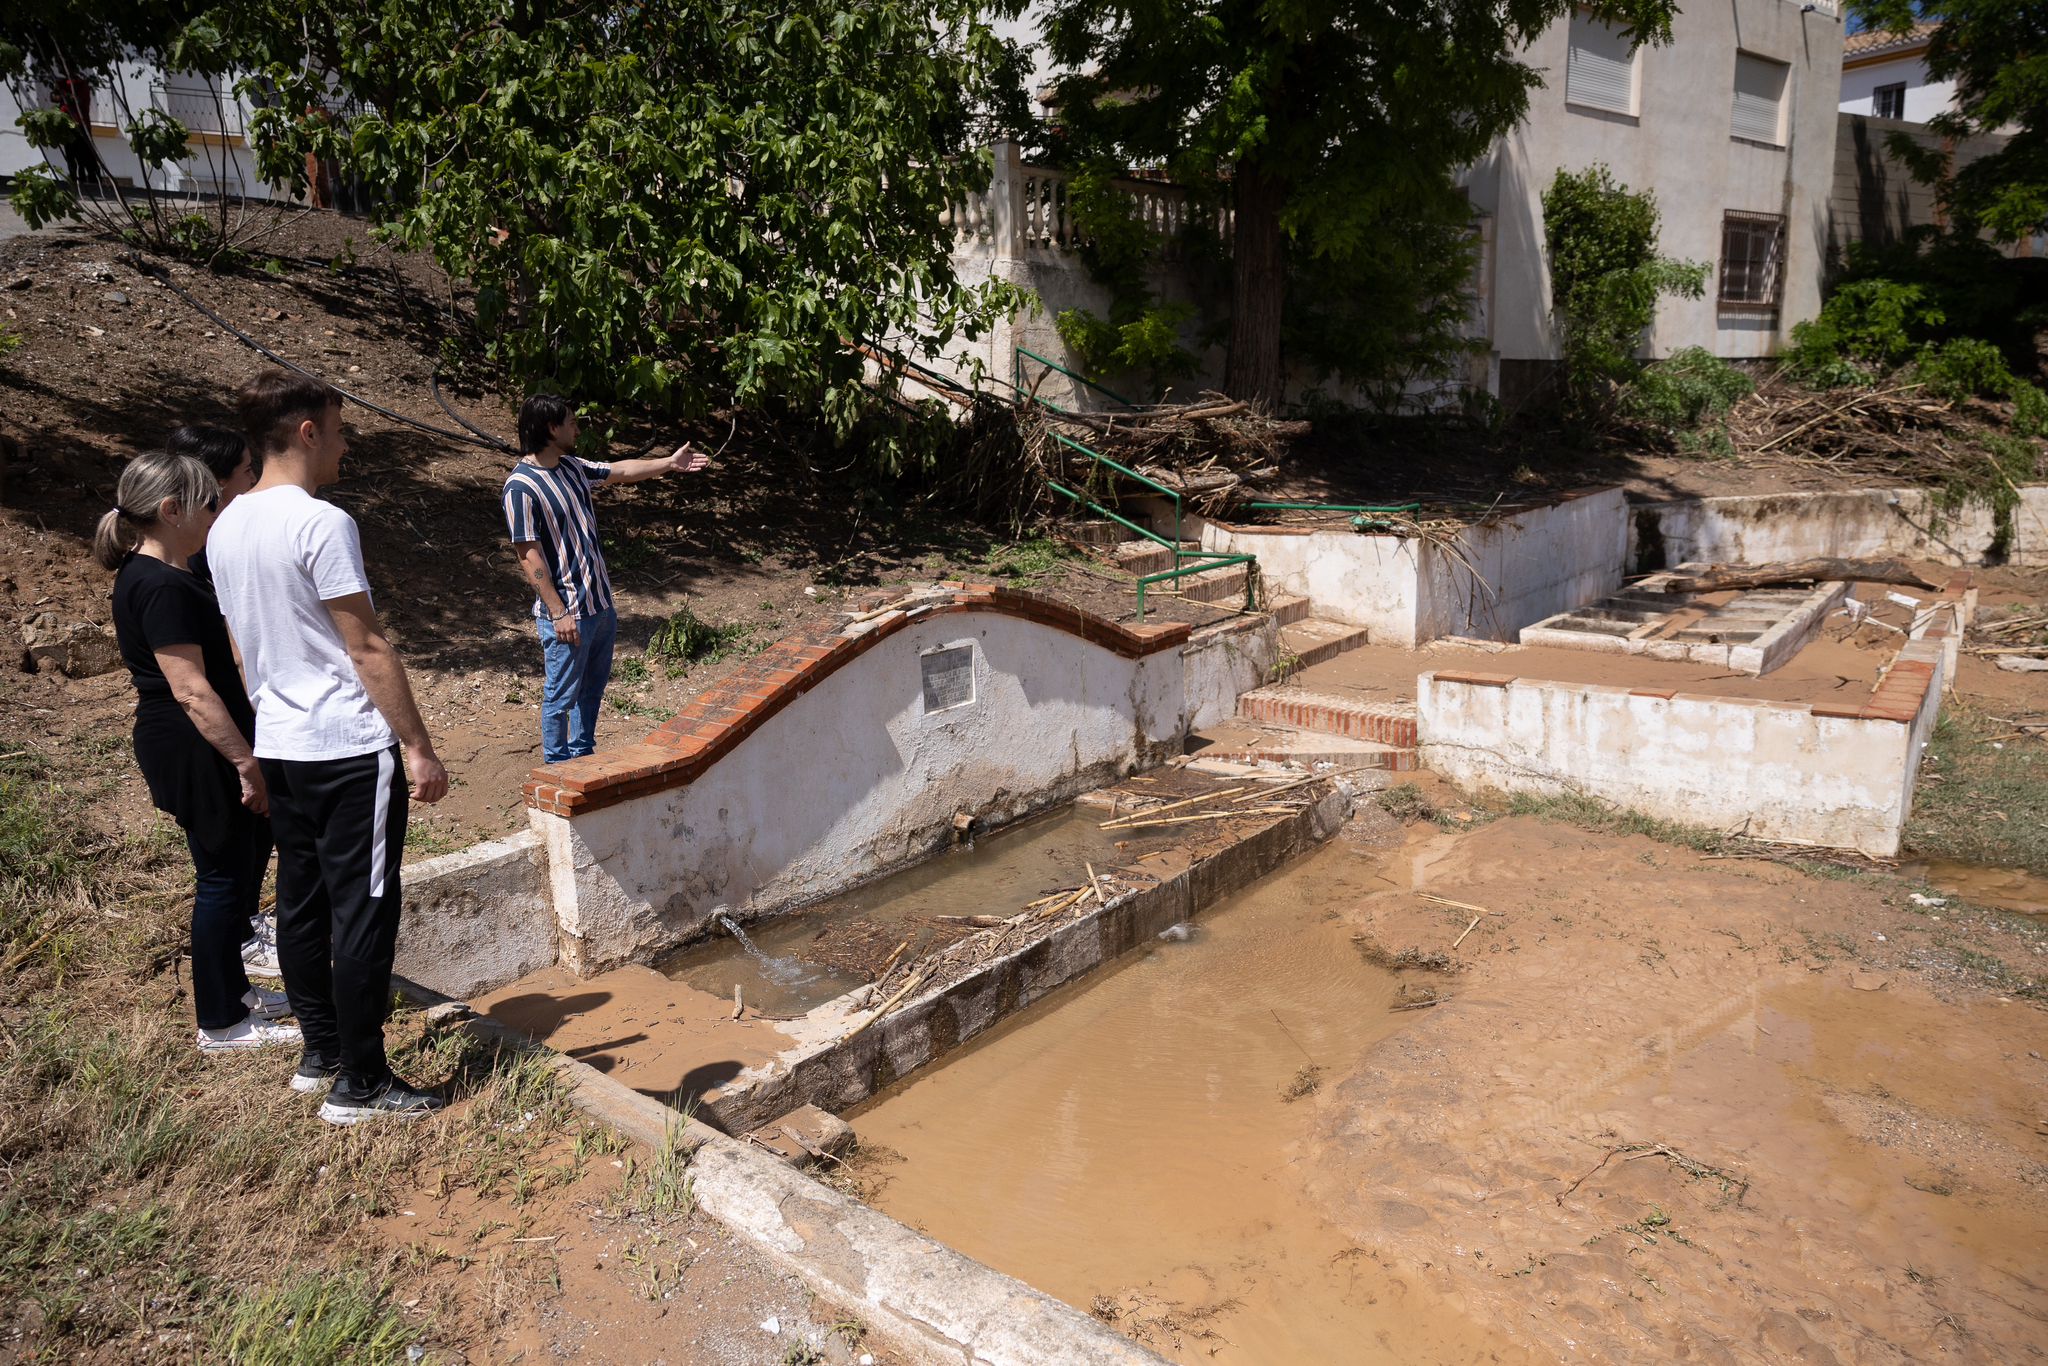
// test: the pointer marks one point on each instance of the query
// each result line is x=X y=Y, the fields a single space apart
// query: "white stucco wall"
x=853 y=778
x=476 y=919
x=1408 y=592
x=1924 y=98
x=1853 y=523
x=1678 y=144
x=1772 y=770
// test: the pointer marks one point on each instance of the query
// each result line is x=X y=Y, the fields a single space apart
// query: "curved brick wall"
x=683 y=747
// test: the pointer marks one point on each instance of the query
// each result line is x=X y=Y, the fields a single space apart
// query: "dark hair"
x=275 y=402
x=219 y=448
x=538 y=418
x=145 y=482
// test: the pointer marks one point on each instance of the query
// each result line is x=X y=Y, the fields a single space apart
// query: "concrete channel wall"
x=831 y=761
x=1837 y=775
x=478 y=918
x=1852 y=523
x=1529 y=565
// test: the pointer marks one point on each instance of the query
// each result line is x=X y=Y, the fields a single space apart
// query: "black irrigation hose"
x=434 y=388
x=483 y=439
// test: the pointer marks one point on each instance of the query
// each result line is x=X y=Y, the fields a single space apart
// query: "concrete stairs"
x=1282 y=722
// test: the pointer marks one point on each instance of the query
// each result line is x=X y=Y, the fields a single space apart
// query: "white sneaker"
x=265 y=1004
x=248 y=1034
x=259 y=955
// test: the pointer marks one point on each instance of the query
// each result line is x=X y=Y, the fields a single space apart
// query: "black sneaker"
x=393 y=1100
x=314 y=1076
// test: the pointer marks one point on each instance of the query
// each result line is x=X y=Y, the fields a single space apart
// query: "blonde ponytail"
x=145 y=482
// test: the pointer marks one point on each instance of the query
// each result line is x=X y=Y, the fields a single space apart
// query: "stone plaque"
x=948 y=677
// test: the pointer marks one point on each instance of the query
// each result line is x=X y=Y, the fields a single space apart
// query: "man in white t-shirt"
x=332 y=710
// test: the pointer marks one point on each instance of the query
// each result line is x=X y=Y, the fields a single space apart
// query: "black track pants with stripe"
x=340 y=830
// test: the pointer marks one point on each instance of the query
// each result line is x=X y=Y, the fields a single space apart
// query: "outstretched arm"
x=685 y=459
x=383 y=675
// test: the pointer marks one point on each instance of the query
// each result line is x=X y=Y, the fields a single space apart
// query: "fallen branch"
x=886 y=1006
x=1468 y=929
x=1116 y=821
x=1822 y=569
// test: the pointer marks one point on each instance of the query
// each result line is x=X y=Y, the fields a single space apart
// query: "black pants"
x=230 y=887
x=340 y=830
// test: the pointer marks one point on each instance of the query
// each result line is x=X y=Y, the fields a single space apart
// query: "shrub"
x=1964 y=367
x=1878 y=321
x=1678 y=393
x=1605 y=280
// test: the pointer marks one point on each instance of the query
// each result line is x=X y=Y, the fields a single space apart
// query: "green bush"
x=1881 y=322
x=1605 y=280
x=1683 y=390
x=1963 y=367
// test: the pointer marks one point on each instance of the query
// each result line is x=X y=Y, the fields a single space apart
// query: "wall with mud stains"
x=856 y=777
x=1530 y=565
x=1853 y=523
x=1834 y=776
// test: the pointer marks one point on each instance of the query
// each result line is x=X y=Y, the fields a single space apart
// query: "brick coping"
x=1900 y=693
x=680 y=749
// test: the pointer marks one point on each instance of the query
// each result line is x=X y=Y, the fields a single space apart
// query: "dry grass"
x=153 y=1199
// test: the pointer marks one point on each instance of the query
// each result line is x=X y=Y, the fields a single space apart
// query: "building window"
x=1600 y=68
x=1759 y=99
x=1752 y=246
x=1888 y=101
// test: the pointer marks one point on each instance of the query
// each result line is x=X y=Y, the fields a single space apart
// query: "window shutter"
x=1599 y=68
x=1759 y=91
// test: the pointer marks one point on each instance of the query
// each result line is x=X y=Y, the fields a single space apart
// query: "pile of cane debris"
x=1896 y=429
x=2016 y=642
x=993 y=937
x=1214 y=452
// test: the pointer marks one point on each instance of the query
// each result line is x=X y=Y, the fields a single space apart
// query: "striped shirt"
x=552 y=507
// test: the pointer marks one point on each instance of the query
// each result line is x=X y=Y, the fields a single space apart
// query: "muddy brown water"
x=1129 y=1146
x=2008 y=889
x=995 y=874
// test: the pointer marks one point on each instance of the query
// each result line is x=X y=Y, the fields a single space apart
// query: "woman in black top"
x=193 y=731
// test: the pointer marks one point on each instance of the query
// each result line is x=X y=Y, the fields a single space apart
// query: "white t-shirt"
x=278 y=557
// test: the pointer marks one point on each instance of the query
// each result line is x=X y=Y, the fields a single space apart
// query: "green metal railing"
x=1185 y=561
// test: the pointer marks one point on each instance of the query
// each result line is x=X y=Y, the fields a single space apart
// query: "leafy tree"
x=673 y=202
x=1605 y=280
x=1333 y=129
x=1996 y=52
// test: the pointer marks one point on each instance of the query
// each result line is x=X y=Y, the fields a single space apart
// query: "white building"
x=1884 y=76
x=1731 y=126
x=215 y=118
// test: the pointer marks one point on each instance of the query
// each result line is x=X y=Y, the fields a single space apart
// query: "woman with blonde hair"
x=193 y=731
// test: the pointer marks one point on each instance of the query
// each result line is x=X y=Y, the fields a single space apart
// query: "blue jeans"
x=230 y=884
x=577 y=675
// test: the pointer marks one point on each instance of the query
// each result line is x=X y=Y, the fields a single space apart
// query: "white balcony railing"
x=196 y=105
x=1025 y=209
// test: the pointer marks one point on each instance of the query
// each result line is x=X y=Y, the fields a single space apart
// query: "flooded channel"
x=1134 y=1147
x=788 y=964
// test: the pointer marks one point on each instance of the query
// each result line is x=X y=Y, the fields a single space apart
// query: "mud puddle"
x=2006 y=889
x=787 y=964
x=1135 y=1147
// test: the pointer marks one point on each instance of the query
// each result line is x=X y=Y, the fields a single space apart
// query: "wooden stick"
x=886 y=1006
x=1097 y=883
x=1172 y=806
x=890 y=962
x=980 y=922
x=1468 y=929
x=738 y=1002
x=1457 y=905
x=1046 y=900
x=1184 y=820
x=1424 y=1005
x=1283 y=787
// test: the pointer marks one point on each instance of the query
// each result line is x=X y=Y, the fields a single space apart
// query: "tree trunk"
x=1716 y=578
x=1258 y=287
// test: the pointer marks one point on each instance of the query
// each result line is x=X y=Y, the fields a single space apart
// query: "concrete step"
x=1238 y=742
x=1384 y=723
x=1286 y=610
x=1094 y=532
x=1141 y=556
x=1310 y=641
x=1213 y=585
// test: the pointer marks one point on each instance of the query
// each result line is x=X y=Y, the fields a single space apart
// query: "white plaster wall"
x=1760 y=529
x=476 y=919
x=1679 y=145
x=853 y=778
x=203 y=171
x=1222 y=664
x=1924 y=98
x=1533 y=564
x=1772 y=771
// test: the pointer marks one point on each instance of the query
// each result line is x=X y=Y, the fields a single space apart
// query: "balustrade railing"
x=1027 y=209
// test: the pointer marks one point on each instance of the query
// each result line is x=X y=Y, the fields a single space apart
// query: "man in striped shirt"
x=553 y=523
